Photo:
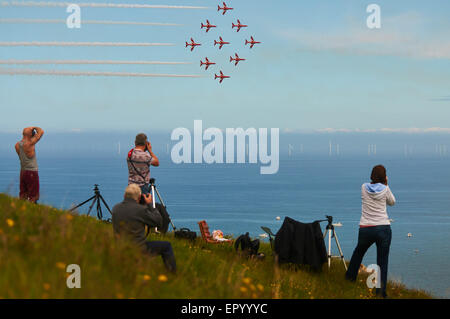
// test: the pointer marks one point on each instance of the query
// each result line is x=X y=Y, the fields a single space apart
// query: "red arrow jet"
x=237 y=59
x=207 y=26
x=220 y=42
x=225 y=8
x=252 y=42
x=238 y=25
x=192 y=44
x=207 y=63
x=221 y=77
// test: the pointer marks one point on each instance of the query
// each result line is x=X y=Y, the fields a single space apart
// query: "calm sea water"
x=236 y=199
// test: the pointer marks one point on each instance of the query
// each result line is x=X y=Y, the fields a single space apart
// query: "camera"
x=33 y=132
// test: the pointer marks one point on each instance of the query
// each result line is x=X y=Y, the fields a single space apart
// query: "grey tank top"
x=26 y=163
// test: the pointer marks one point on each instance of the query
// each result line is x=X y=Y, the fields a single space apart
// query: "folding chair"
x=206 y=235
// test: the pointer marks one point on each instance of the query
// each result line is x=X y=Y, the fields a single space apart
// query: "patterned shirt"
x=141 y=161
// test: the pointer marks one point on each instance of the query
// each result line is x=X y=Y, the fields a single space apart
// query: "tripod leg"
x=329 y=246
x=340 y=250
x=153 y=196
x=92 y=205
x=99 y=210
x=104 y=203
x=159 y=196
x=162 y=203
x=79 y=205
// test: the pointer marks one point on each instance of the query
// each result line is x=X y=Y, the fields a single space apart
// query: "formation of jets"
x=207 y=26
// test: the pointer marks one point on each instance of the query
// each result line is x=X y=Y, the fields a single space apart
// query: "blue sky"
x=319 y=67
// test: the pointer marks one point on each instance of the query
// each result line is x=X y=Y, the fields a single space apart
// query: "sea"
x=236 y=199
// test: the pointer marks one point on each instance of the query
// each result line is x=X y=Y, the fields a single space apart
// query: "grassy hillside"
x=37 y=242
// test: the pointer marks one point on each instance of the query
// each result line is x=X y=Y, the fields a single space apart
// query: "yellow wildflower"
x=61 y=265
x=146 y=277
x=10 y=222
x=162 y=278
x=243 y=289
x=260 y=287
x=247 y=280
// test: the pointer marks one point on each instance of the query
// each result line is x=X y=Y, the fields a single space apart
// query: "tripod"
x=96 y=200
x=332 y=234
x=153 y=190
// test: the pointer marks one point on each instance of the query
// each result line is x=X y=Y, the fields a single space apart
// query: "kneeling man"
x=129 y=218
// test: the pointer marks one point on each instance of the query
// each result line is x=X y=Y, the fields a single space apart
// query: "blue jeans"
x=163 y=248
x=381 y=236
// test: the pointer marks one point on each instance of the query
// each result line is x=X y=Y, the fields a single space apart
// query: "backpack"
x=248 y=247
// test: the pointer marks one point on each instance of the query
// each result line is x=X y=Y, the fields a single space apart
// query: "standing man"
x=29 y=177
x=139 y=160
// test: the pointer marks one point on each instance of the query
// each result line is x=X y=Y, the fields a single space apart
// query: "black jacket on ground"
x=300 y=243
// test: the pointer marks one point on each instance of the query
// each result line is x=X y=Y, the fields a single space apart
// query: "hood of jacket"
x=375 y=190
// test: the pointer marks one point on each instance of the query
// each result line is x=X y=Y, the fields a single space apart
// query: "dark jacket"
x=300 y=243
x=129 y=218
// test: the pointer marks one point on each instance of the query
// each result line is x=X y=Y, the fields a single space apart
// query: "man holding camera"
x=139 y=160
x=129 y=218
x=29 y=177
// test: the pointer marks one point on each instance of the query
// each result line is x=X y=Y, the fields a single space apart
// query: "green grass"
x=37 y=242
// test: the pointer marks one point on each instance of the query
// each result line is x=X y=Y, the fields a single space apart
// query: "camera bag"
x=185 y=233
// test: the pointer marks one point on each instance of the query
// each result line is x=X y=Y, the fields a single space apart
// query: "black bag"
x=186 y=233
x=248 y=246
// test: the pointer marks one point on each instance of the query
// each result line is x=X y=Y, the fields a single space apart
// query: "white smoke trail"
x=85 y=44
x=12 y=71
x=20 y=20
x=29 y=62
x=94 y=5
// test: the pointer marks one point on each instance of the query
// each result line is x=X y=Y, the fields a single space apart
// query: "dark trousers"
x=381 y=236
x=163 y=248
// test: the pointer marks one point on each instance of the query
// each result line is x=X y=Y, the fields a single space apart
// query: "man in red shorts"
x=29 y=178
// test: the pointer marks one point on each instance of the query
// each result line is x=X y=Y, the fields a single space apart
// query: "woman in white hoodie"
x=374 y=226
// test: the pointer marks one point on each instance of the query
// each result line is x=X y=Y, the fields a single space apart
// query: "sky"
x=318 y=68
